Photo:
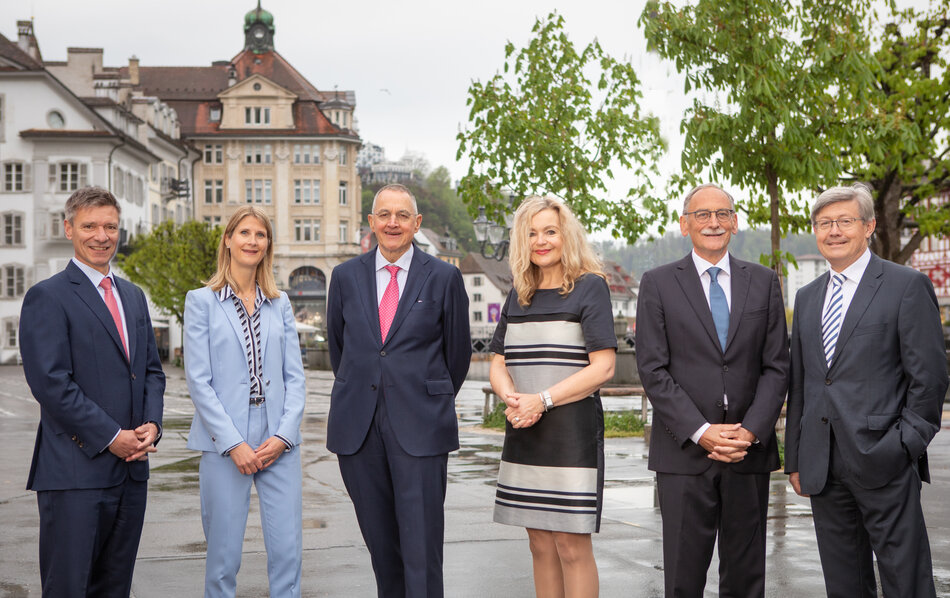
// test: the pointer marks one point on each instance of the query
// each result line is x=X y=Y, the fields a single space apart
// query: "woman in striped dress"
x=554 y=348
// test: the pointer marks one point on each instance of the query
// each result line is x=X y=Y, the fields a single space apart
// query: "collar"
x=855 y=271
x=403 y=261
x=227 y=292
x=702 y=265
x=94 y=276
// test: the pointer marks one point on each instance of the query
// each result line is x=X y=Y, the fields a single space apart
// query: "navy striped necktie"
x=831 y=320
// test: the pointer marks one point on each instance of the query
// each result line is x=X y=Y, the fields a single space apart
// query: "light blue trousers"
x=225 y=501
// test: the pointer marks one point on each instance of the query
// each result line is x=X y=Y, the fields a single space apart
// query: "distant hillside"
x=747 y=245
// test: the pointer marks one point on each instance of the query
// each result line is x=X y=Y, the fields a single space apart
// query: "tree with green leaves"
x=558 y=121
x=908 y=163
x=784 y=96
x=172 y=260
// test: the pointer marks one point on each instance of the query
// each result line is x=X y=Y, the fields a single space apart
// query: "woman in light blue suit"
x=245 y=376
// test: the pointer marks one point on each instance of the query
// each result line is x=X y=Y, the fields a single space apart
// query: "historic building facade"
x=266 y=136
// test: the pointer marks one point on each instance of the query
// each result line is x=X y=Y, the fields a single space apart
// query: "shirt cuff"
x=227 y=453
x=699 y=433
x=111 y=441
x=158 y=426
x=289 y=444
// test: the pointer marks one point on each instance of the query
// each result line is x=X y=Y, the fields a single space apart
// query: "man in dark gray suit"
x=868 y=379
x=712 y=350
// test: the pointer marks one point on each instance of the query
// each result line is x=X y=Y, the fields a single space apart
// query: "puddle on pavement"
x=195 y=547
x=13 y=590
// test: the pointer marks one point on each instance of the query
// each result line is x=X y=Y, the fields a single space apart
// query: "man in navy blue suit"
x=397 y=324
x=90 y=359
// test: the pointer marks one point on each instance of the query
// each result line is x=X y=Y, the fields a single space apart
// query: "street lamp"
x=491 y=235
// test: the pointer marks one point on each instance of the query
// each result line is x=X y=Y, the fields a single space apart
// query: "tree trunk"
x=774 y=221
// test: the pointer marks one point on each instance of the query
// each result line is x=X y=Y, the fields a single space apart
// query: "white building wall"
x=483 y=297
x=809 y=268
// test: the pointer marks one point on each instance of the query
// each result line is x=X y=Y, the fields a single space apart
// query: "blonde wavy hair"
x=264 y=276
x=577 y=255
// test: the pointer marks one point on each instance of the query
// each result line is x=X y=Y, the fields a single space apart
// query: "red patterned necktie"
x=387 y=307
x=106 y=285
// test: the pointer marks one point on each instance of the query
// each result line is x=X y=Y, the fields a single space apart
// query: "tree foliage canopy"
x=908 y=161
x=558 y=121
x=170 y=261
x=784 y=96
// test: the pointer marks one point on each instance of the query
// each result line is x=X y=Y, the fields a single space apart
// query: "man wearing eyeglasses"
x=712 y=351
x=397 y=327
x=868 y=379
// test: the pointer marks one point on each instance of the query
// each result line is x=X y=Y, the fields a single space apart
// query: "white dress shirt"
x=852 y=277
x=382 y=274
x=725 y=281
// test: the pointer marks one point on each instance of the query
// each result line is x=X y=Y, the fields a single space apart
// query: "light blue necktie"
x=718 y=306
x=831 y=321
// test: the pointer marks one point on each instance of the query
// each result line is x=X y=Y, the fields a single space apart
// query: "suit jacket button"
x=213 y=439
x=81 y=444
x=133 y=376
x=824 y=420
x=73 y=438
x=827 y=381
x=725 y=368
x=718 y=403
x=372 y=387
x=383 y=353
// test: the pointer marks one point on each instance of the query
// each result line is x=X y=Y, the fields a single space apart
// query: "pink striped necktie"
x=113 y=306
x=387 y=307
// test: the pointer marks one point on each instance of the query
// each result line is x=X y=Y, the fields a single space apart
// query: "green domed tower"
x=259 y=30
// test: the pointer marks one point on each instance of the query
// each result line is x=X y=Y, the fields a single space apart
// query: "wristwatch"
x=547 y=400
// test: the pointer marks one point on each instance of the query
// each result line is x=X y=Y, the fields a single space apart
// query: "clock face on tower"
x=259 y=38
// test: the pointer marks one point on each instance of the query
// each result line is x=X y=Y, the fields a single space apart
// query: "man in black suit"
x=89 y=357
x=868 y=379
x=712 y=350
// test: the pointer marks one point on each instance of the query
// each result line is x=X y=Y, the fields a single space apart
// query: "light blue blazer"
x=218 y=380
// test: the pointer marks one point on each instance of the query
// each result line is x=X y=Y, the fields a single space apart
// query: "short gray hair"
x=698 y=188
x=399 y=189
x=858 y=192
x=90 y=197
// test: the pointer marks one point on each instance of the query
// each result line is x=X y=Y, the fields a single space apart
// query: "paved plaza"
x=482 y=559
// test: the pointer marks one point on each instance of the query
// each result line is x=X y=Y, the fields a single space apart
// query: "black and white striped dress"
x=551 y=475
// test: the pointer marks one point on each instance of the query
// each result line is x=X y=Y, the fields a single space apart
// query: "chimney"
x=133 y=71
x=27 y=41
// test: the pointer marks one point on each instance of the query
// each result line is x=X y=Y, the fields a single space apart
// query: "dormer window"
x=214 y=115
x=257 y=116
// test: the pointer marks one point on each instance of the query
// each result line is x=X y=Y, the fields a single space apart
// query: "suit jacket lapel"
x=131 y=314
x=419 y=270
x=867 y=288
x=693 y=290
x=813 y=308
x=231 y=313
x=90 y=296
x=739 y=280
x=366 y=289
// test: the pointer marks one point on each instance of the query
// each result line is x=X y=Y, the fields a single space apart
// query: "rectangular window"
x=476 y=281
x=214 y=191
x=10 y=333
x=56 y=224
x=13 y=281
x=342 y=193
x=256 y=116
x=257 y=154
x=209 y=154
x=306 y=191
x=302 y=230
x=306 y=154
x=214 y=154
x=13 y=229
x=248 y=191
x=343 y=156
x=344 y=225
x=67 y=177
x=476 y=297
x=477 y=316
x=214 y=115
x=15 y=175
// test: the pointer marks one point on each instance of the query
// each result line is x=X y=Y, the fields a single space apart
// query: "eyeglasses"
x=703 y=216
x=844 y=224
x=402 y=216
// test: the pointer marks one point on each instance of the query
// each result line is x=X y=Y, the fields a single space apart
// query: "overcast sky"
x=410 y=62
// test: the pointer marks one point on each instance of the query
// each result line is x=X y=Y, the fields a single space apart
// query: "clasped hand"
x=524 y=410
x=249 y=460
x=135 y=445
x=728 y=443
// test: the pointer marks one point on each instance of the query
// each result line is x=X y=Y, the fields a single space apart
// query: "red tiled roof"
x=12 y=52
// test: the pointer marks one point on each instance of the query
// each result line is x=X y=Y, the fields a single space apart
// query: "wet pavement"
x=482 y=559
